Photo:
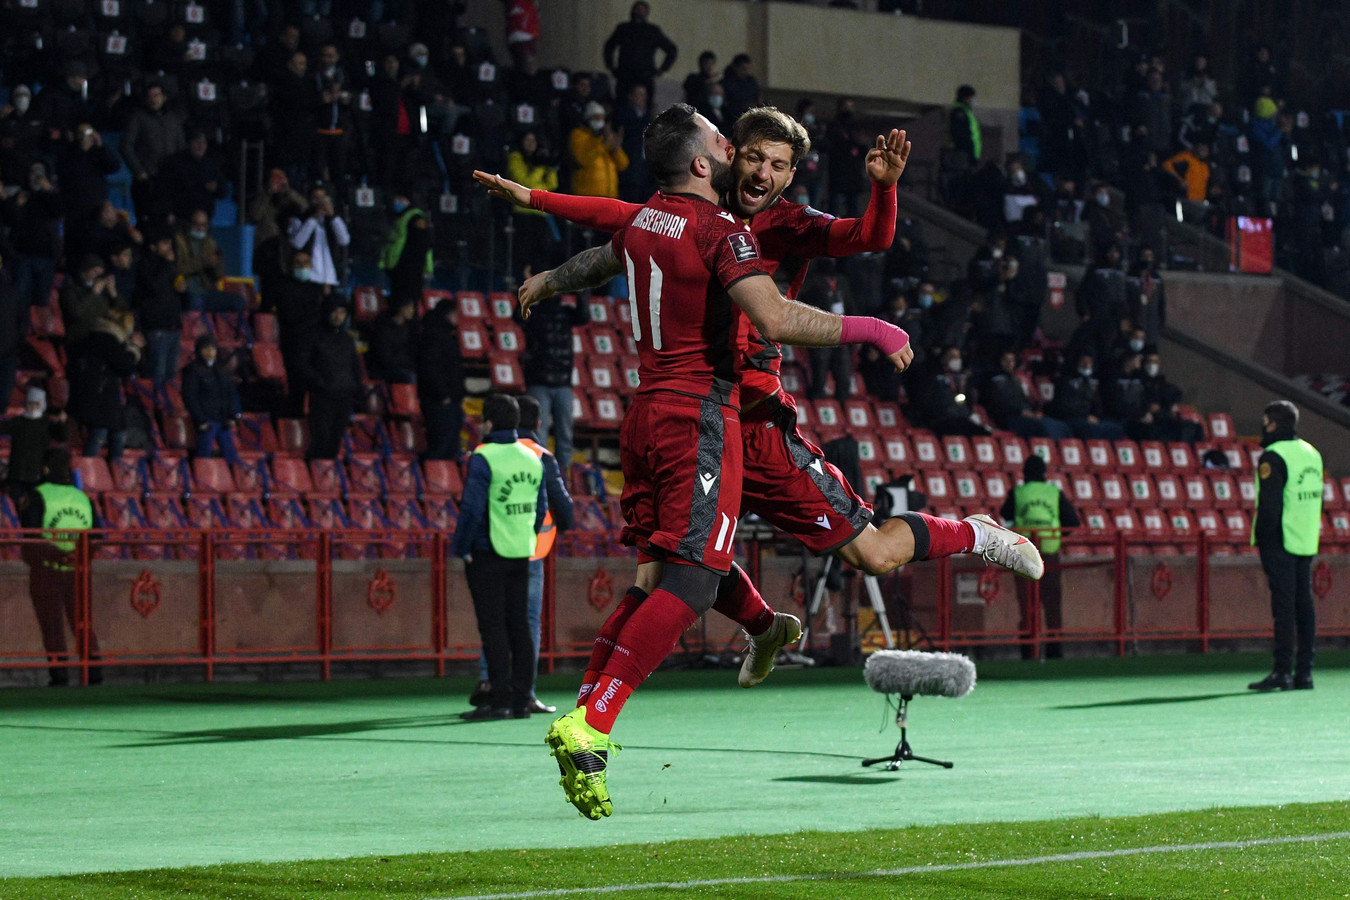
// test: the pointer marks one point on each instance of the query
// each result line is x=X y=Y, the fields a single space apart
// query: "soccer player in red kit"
x=787 y=481
x=694 y=269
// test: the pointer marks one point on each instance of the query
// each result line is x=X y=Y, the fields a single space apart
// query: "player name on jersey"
x=660 y=222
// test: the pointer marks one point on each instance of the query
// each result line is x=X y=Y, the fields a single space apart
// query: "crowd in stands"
x=369 y=140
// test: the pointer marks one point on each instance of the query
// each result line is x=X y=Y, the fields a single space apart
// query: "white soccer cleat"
x=763 y=650
x=1012 y=551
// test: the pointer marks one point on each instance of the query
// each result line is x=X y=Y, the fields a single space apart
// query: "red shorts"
x=789 y=484
x=681 y=460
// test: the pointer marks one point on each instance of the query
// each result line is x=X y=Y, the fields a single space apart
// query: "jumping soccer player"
x=693 y=268
x=787 y=480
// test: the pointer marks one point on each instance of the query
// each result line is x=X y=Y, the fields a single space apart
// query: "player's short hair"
x=529 y=413
x=502 y=411
x=768 y=124
x=1283 y=413
x=671 y=142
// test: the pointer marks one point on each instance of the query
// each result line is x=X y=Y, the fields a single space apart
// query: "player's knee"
x=695 y=585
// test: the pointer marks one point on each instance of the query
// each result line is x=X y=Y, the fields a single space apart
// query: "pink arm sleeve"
x=593 y=212
x=884 y=336
x=872 y=233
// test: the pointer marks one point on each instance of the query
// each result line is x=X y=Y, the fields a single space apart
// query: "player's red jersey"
x=682 y=253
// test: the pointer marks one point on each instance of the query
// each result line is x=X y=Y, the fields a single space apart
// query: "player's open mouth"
x=751 y=195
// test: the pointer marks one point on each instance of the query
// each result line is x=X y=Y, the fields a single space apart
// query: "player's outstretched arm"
x=875 y=230
x=589 y=268
x=789 y=322
x=498 y=186
x=601 y=213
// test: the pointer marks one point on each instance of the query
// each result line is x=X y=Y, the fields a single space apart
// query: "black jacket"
x=298 y=304
x=1004 y=398
x=100 y=363
x=1272 y=474
x=158 y=304
x=84 y=177
x=329 y=363
x=28 y=442
x=184 y=178
x=393 y=347
x=440 y=375
x=630 y=51
x=1077 y=397
x=35 y=225
x=547 y=360
x=209 y=393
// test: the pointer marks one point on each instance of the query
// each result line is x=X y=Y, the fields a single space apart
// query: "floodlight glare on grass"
x=911 y=673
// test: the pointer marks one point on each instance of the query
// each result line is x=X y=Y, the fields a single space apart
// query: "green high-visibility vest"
x=1036 y=505
x=976 y=138
x=398 y=238
x=66 y=508
x=1302 y=519
x=513 y=496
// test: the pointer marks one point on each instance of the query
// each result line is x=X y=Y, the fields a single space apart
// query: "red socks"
x=738 y=600
x=604 y=641
x=935 y=537
x=644 y=642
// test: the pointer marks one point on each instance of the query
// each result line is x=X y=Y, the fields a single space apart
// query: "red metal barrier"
x=325 y=597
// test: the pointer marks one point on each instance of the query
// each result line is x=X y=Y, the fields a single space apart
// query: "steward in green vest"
x=1285 y=529
x=963 y=129
x=1040 y=509
x=501 y=513
x=61 y=511
x=407 y=253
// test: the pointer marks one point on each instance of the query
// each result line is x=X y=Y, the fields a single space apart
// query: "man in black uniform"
x=1285 y=529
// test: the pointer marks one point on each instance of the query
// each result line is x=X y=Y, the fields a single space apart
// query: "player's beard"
x=723 y=180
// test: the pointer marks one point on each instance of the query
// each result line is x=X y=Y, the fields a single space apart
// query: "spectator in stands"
x=1005 y=398
x=159 y=307
x=1202 y=125
x=1257 y=73
x=11 y=327
x=324 y=235
x=330 y=368
x=440 y=381
x=559 y=518
x=1020 y=191
x=963 y=131
x=201 y=265
x=503 y=509
x=631 y=120
x=1063 y=122
x=1152 y=107
x=1146 y=299
x=211 y=398
x=809 y=168
x=740 y=86
x=22 y=132
x=83 y=165
x=299 y=304
x=121 y=265
x=997 y=309
x=111 y=228
x=522 y=29
x=1106 y=226
x=1198 y=90
x=192 y=179
x=294 y=102
x=1101 y=302
x=847 y=149
x=1190 y=168
x=944 y=396
x=572 y=111
x=630 y=52
x=1041 y=510
x=1130 y=341
x=276 y=54
x=697 y=83
x=392 y=126
x=392 y=356
x=407 y=256
x=64 y=103
x=29 y=437
x=826 y=288
x=1270 y=142
x=100 y=361
x=1125 y=401
x=270 y=212
x=597 y=155
x=332 y=119
x=1078 y=403
x=547 y=365
x=33 y=215
x=715 y=108
x=1163 y=399
x=57 y=503
x=536 y=235
x=153 y=133
x=86 y=298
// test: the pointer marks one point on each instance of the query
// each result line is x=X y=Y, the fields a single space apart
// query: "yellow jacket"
x=597 y=173
x=536 y=177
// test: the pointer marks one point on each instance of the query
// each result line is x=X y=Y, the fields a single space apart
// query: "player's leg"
x=917 y=536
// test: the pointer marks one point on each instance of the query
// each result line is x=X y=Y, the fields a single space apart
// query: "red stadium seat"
x=365 y=475
x=1223 y=489
x=168 y=473
x=508 y=338
x=1331 y=494
x=255 y=433
x=365 y=511
x=628 y=373
x=442 y=477
x=603 y=342
x=407 y=437
x=327 y=476
x=1221 y=427
x=1344 y=489
x=937 y=484
x=176 y=432
x=250 y=473
x=1085 y=490
x=1096 y=519
x=602 y=376
x=1153 y=520
x=867 y=450
x=1100 y=455
x=1236 y=521
x=123 y=511
x=1182 y=457
x=969 y=488
x=204 y=511
x=501 y=308
x=1127 y=456
x=1124 y=520
x=1142 y=490
x=285 y=511
x=859 y=416
x=888 y=415
x=1057 y=478
x=926 y=450
x=163 y=510
x=898 y=452
x=608 y=411
x=829 y=417
x=267 y=361
x=602 y=309
x=46 y=321
x=1208 y=520
x=985 y=450
x=403 y=511
x=290 y=475
x=956 y=450
x=1014 y=452
x=403 y=401
x=1044 y=448
x=367 y=301
x=128 y=472
x=401 y=475
x=1182 y=521
x=873 y=480
x=326 y=512
x=1072 y=454
x=441 y=512
x=996 y=488
x=92 y=474
x=245 y=510
x=506 y=372
x=210 y=474
x=1169 y=490
x=1247 y=492
x=472 y=305
x=1197 y=489
x=1115 y=493
x=1338 y=524
x=473 y=340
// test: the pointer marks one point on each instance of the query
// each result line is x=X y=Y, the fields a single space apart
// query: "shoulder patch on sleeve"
x=812 y=211
x=743 y=246
x=1264 y=470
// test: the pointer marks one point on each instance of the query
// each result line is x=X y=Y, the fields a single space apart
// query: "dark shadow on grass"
x=1153 y=701
x=838 y=779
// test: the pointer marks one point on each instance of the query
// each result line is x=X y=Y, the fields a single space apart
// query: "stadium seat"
x=1071 y=454
x=123 y=511
x=92 y=475
x=366 y=434
x=164 y=510
x=1044 y=448
x=601 y=375
x=128 y=472
x=501 y=308
x=245 y=510
x=255 y=433
x=364 y=511
x=985 y=450
x=969 y=488
x=1236 y=521
x=506 y=373
x=1115 y=493
x=1223 y=489
x=403 y=511
x=367 y=302
x=204 y=511
x=1246 y=492
x=1155 y=456
x=1237 y=460
x=472 y=305
x=1208 y=520
x=898 y=452
x=829 y=419
x=629 y=376
x=859 y=416
x=266 y=329
x=1169 y=490
x=1338 y=524
x=168 y=473
x=1124 y=520
x=1221 y=427
x=873 y=480
x=1100 y=455
x=867 y=450
x=1182 y=521
x=1058 y=480
x=1345 y=491
x=365 y=474
x=290 y=476
x=508 y=338
x=1127 y=456
x=267 y=362
x=937 y=484
x=1152 y=519
x=888 y=415
x=442 y=477
x=997 y=486
x=1014 y=452
x=327 y=476
x=1096 y=519
x=212 y=474
x=1331 y=494
x=401 y=475
x=926 y=450
x=1198 y=494
x=441 y=512
x=176 y=432
x=286 y=512
x=473 y=340
x=956 y=450
x=608 y=411
x=1085 y=489
x=407 y=437
x=326 y=512
x=45 y=320
x=1182 y=457
x=403 y=401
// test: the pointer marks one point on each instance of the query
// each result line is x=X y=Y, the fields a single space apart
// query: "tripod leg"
x=816 y=597
x=936 y=762
x=893 y=759
x=879 y=607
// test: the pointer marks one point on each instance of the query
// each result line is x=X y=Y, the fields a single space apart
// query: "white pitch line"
x=913 y=870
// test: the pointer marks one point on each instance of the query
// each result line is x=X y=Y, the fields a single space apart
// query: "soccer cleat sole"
x=576 y=787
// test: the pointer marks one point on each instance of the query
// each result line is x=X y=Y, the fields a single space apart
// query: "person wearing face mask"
x=944 y=399
x=299 y=302
x=1007 y=401
x=201 y=265
x=407 y=257
x=1106 y=226
x=1129 y=342
x=1078 y=403
x=159 y=307
x=1146 y=296
x=211 y=398
x=630 y=52
x=323 y=233
x=597 y=155
x=1163 y=398
x=30 y=435
x=1101 y=301
x=1125 y=400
